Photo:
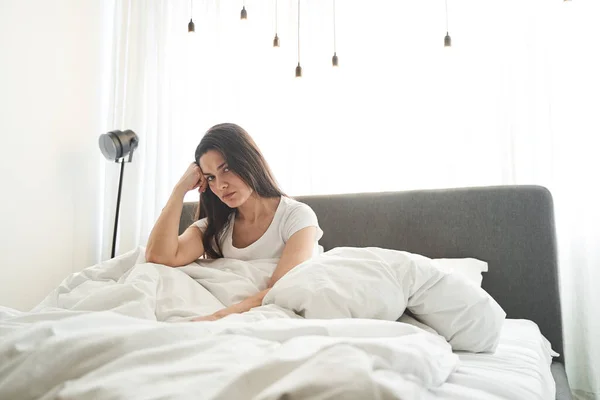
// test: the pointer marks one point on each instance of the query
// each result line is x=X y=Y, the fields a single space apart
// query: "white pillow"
x=380 y=284
x=407 y=319
x=459 y=310
x=470 y=268
x=352 y=283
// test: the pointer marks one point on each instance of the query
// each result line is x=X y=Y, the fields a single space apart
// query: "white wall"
x=53 y=62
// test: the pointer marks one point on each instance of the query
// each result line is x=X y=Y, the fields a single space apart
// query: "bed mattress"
x=519 y=369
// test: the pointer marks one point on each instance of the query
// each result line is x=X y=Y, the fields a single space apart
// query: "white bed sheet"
x=111 y=332
x=519 y=369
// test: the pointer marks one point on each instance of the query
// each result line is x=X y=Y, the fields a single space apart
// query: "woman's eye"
x=226 y=169
x=210 y=178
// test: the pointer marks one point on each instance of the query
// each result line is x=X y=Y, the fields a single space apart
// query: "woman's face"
x=223 y=182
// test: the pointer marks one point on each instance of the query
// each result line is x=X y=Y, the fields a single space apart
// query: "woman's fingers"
x=192 y=178
x=211 y=317
x=201 y=185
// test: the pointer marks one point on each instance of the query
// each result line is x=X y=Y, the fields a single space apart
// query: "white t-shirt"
x=290 y=217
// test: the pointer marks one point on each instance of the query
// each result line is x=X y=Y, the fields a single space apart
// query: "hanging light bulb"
x=447 y=39
x=334 y=59
x=191 y=26
x=298 y=68
x=276 y=38
x=244 y=13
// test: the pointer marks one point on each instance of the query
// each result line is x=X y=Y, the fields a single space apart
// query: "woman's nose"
x=222 y=184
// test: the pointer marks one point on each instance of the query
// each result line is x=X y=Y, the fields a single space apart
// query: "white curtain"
x=513 y=101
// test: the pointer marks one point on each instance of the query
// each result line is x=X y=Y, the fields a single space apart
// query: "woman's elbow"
x=151 y=256
x=157 y=258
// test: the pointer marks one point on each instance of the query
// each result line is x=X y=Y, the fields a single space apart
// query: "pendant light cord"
x=446 y=17
x=298 y=32
x=334 y=47
x=191 y=9
x=276 y=1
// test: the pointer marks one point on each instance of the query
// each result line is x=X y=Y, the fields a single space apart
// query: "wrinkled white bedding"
x=139 y=345
x=519 y=369
x=376 y=283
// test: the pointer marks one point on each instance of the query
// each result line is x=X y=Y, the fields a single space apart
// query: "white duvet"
x=138 y=343
x=121 y=330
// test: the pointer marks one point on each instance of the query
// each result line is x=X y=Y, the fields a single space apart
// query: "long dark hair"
x=243 y=158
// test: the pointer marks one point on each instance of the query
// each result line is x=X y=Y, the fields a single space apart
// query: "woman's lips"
x=228 y=196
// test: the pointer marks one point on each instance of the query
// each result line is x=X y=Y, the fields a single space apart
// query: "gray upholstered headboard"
x=510 y=227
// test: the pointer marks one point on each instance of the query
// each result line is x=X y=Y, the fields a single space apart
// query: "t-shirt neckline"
x=230 y=236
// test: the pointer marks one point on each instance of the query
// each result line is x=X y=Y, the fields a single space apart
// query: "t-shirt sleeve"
x=300 y=217
x=202 y=224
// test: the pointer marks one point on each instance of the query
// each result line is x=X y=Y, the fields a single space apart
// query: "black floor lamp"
x=116 y=145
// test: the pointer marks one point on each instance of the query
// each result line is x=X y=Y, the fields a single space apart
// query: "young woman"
x=246 y=216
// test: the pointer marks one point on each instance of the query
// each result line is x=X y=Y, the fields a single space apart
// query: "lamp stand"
x=114 y=241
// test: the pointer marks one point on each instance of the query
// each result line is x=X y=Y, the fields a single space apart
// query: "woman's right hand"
x=192 y=179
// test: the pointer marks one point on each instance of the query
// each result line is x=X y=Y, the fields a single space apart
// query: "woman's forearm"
x=239 y=308
x=244 y=305
x=162 y=243
x=256 y=300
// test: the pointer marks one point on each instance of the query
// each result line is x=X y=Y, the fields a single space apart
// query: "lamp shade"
x=117 y=144
x=447 y=41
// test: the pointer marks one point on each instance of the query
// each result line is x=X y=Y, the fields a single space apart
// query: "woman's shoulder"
x=295 y=216
x=294 y=206
x=201 y=224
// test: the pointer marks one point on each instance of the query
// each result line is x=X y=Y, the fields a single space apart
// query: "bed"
x=119 y=329
x=510 y=227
